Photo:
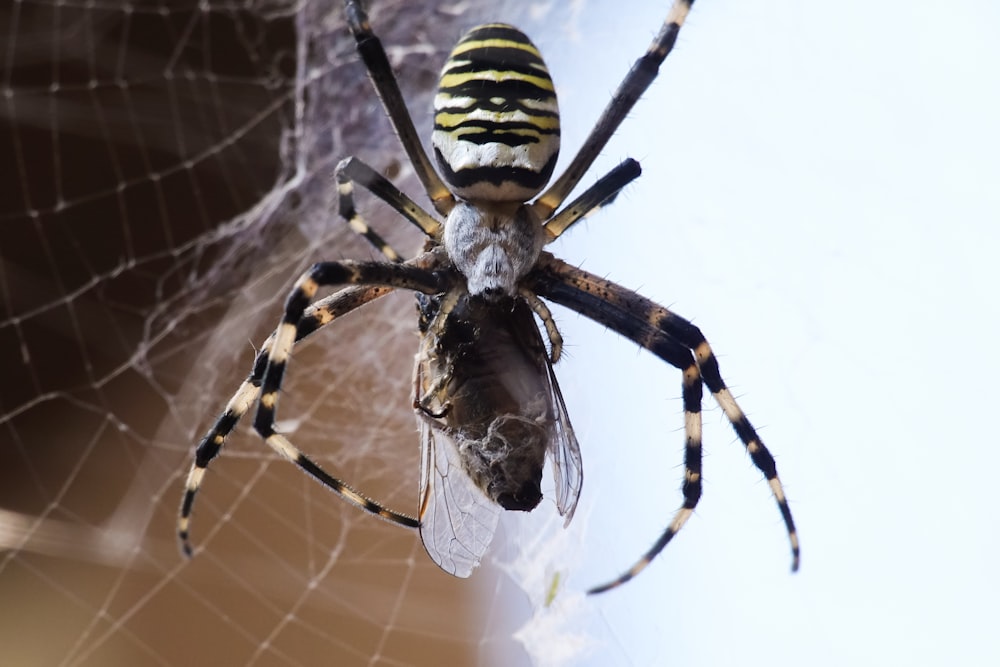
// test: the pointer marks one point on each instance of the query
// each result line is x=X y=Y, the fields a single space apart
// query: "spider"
x=486 y=399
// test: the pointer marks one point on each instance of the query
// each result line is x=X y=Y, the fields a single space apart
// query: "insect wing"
x=457 y=520
x=563 y=448
x=567 y=464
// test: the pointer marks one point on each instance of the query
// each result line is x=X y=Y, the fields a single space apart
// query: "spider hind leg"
x=681 y=344
x=315 y=317
x=382 y=274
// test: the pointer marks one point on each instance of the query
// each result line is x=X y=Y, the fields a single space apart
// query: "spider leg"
x=353 y=170
x=661 y=331
x=315 y=317
x=680 y=357
x=631 y=88
x=396 y=276
x=380 y=71
x=599 y=194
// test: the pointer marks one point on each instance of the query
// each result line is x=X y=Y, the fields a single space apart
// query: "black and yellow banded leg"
x=351 y=171
x=394 y=276
x=601 y=193
x=629 y=91
x=690 y=336
x=318 y=315
x=380 y=71
x=314 y=318
x=691 y=394
x=660 y=331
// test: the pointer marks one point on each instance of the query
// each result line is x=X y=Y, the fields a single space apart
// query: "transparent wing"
x=457 y=520
x=567 y=464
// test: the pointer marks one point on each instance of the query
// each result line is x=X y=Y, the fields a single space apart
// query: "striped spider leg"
x=681 y=344
x=317 y=316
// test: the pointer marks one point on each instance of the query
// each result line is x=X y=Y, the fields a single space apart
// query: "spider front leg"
x=352 y=170
x=380 y=71
x=635 y=83
x=396 y=276
x=681 y=344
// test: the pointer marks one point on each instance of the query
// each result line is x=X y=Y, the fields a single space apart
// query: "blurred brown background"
x=167 y=171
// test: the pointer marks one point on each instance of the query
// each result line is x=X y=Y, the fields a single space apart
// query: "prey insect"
x=490 y=411
x=485 y=396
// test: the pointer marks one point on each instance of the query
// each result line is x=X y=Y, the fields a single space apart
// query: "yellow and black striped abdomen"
x=496 y=119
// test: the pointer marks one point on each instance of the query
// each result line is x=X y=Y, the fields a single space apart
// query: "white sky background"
x=820 y=195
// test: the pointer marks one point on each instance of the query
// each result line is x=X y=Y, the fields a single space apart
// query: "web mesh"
x=166 y=172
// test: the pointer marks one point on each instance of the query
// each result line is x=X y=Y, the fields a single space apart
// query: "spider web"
x=167 y=171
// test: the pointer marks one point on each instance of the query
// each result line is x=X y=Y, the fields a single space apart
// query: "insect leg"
x=543 y=312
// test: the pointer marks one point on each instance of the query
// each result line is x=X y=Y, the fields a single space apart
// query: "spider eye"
x=496 y=119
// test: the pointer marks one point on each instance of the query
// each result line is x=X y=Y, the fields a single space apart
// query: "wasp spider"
x=485 y=396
